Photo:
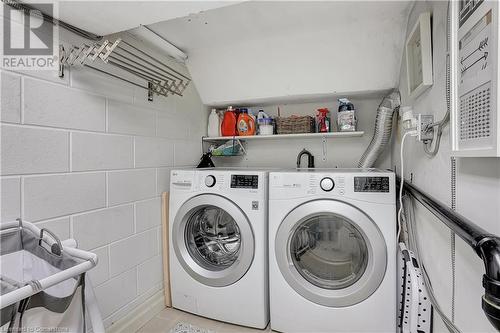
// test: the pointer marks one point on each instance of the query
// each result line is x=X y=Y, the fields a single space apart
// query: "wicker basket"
x=295 y=124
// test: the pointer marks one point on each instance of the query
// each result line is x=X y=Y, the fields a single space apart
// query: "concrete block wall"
x=88 y=157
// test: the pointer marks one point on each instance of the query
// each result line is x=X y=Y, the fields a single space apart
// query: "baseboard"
x=136 y=318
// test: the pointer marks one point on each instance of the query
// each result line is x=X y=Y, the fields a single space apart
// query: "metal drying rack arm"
x=486 y=246
x=161 y=78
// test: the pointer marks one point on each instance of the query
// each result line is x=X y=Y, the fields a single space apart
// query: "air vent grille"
x=475 y=113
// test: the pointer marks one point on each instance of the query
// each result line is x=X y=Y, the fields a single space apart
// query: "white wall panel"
x=57 y=195
x=104 y=226
x=59 y=106
x=10 y=97
x=28 y=150
x=128 y=119
x=130 y=252
x=10 y=204
x=116 y=292
x=149 y=274
x=147 y=214
x=91 y=151
x=131 y=185
x=151 y=152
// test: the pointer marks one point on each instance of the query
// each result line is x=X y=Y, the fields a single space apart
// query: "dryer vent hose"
x=383 y=129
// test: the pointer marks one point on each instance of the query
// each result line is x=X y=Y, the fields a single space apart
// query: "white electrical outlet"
x=423 y=133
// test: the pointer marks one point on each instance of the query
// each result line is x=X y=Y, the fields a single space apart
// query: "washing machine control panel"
x=327 y=184
x=210 y=181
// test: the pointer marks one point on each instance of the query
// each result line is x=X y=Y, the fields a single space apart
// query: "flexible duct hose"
x=383 y=129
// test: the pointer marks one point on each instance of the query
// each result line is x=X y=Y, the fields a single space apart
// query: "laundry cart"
x=44 y=286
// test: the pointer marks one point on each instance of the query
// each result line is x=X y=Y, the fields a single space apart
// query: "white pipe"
x=148 y=35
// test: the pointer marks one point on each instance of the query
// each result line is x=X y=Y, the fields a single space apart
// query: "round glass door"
x=331 y=253
x=213 y=240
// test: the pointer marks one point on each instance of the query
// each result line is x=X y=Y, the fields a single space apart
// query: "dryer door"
x=331 y=253
x=213 y=240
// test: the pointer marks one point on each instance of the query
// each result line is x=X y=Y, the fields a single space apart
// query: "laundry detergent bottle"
x=245 y=124
x=213 y=124
x=228 y=126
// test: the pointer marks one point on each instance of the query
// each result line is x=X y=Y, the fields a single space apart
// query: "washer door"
x=331 y=253
x=213 y=240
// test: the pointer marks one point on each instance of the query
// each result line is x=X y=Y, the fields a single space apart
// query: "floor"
x=164 y=321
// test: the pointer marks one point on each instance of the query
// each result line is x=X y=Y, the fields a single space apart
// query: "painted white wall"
x=88 y=157
x=263 y=50
x=478 y=192
x=340 y=152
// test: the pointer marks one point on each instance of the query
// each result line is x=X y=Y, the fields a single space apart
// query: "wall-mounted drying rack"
x=486 y=246
x=160 y=78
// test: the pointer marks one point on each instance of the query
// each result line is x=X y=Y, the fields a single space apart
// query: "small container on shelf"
x=346 y=116
x=266 y=126
x=295 y=125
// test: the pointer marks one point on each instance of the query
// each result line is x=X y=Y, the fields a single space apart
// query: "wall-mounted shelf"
x=287 y=136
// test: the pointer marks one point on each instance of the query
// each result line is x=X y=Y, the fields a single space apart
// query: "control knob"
x=327 y=184
x=210 y=181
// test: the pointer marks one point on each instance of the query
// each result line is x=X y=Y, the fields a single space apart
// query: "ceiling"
x=267 y=51
x=108 y=17
x=277 y=50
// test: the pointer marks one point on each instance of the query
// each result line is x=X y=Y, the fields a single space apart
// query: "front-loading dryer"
x=332 y=250
x=218 y=244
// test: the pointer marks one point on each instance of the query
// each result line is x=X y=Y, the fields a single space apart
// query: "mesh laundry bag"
x=26 y=258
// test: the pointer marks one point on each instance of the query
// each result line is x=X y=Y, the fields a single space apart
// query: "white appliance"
x=332 y=250
x=218 y=244
x=475 y=122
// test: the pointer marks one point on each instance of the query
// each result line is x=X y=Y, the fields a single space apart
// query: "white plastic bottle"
x=213 y=124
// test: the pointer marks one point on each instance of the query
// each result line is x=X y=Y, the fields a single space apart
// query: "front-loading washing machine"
x=218 y=244
x=332 y=250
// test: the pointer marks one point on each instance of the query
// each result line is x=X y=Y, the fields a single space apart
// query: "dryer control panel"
x=245 y=181
x=371 y=184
